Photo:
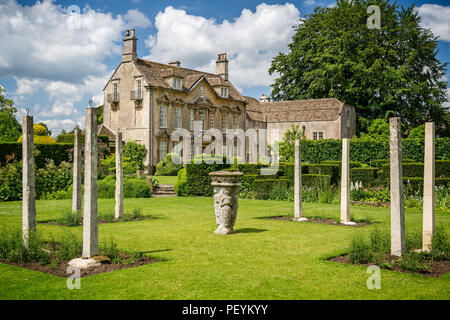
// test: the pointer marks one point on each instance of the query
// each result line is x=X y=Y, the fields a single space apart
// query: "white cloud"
x=436 y=18
x=250 y=40
x=135 y=18
x=447 y=104
x=27 y=86
x=309 y=3
x=56 y=125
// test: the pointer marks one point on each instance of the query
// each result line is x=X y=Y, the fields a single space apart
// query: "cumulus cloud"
x=436 y=18
x=135 y=18
x=250 y=40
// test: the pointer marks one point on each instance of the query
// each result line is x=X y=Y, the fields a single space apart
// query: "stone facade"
x=148 y=100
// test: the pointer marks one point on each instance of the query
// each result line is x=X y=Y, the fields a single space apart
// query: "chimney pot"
x=127 y=32
x=176 y=63
x=264 y=98
x=133 y=32
x=222 y=66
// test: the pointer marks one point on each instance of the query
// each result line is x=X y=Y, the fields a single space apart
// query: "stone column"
x=119 y=176
x=28 y=196
x=428 y=187
x=226 y=186
x=76 y=193
x=396 y=186
x=90 y=226
x=298 y=212
x=345 y=183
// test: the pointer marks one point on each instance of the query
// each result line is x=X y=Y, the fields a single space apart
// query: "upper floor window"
x=176 y=83
x=211 y=120
x=115 y=92
x=202 y=117
x=163 y=116
x=191 y=119
x=224 y=121
x=177 y=120
x=202 y=91
x=235 y=121
x=224 y=92
x=139 y=88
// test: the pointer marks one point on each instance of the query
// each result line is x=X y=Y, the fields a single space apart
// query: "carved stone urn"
x=226 y=185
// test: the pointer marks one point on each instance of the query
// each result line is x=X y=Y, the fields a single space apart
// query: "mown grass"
x=265 y=259
x=166 y=179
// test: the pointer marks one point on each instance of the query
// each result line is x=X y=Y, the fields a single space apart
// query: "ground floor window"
x=162 y=149
x=317 y=135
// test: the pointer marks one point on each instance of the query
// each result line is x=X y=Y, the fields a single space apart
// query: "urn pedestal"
x=226 y=186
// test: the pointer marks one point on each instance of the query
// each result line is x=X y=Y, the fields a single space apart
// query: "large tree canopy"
x=389 y=70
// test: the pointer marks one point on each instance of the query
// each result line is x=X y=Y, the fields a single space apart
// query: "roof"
x=297 y=110
x=102 y=129
x=155 y=74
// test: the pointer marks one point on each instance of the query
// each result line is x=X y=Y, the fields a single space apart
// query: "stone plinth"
x=396 y=186
x=28 y=195
x=226 y=185
x=428 y=188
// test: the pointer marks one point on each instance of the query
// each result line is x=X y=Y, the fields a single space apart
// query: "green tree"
x=378 y=130
x=287 y=145
x=417 y=133
x=392 y=70
x=136 y=152
x=99 y=114
x=10 y=129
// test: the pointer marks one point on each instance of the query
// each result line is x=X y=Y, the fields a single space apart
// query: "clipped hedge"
x=367 y=151
x=132 y=188
x=352 y=164
x=366 y=175
x=333 y=170
x=198 y=179
x=58 y=152
x=69 y=138
x=167 y=167
x=264 y=188
x=180 y=185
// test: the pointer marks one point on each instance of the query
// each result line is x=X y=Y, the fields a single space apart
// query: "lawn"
x=166 y=179
x=265 y=259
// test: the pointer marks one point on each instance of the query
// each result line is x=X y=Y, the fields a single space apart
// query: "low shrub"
x=70 y=219
x=366 y=175
x=168 y=166
x=132 y=188
x=274 y=189
x=13 y=249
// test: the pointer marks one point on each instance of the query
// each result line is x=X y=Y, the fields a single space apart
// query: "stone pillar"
x=396 y=186
x=119 y=176
x=226 y=186
x=28 y=196
x=428 y=187
x=76 y=193
x=90 y=226
x=345 y=183
x=298 y=212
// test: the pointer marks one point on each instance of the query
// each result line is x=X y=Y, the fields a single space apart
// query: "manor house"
x=147 y=100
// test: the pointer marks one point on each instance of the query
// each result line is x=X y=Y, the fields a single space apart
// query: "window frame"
x=224 y=92
x=177 y=118
x=161 y=143
x=163 y=116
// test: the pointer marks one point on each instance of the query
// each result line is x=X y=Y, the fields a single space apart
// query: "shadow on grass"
x=250 y=230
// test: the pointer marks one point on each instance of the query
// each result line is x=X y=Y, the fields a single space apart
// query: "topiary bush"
x=168 y=167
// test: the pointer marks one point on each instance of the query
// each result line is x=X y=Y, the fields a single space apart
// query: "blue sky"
x=52 y=62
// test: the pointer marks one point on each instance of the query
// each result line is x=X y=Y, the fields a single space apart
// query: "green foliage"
x=332 y=170
x=380 y=72
x=129 y=166
x=379 y=129
x=287 y=145
x=110 y=250
x=362 y=251
x=180 y=185
x=69 y=138
x=167 y=166
x=366 y=175
x=440 y=244
x=417 y=133
x=136 y=152
x=13 y=249
x=132 y=188
x=57 y=152
x=6 y=104
x=69 y=247
x=11 y=181
x=10 y=129
x=70 y=219
x=273 y=189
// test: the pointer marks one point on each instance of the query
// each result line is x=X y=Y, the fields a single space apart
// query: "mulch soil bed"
x=320 y=220
x=100 y=221
x=61 y=269
x=437 y=268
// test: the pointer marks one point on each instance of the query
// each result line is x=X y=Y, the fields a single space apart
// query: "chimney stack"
x=264 y=98
x=222 y=66
x=129 y=46
x=176 y=63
